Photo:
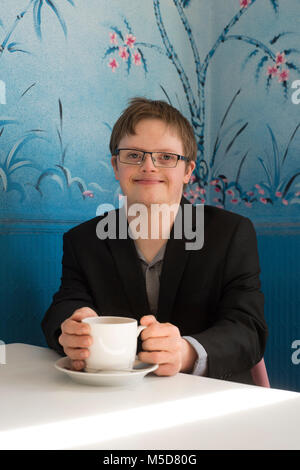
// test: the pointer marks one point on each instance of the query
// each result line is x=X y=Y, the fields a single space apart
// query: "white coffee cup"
x=114 y=344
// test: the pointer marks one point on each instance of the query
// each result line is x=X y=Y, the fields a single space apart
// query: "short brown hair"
x=142 y=108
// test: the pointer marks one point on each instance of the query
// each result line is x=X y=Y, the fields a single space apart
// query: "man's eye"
x=166 y=157
x=133 y=156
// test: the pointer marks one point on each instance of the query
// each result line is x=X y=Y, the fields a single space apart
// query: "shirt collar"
x=158 y=257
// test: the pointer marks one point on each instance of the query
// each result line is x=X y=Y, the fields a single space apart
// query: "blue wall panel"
x=67 y=73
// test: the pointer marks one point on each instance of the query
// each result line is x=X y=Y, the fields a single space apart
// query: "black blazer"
x=212 y=294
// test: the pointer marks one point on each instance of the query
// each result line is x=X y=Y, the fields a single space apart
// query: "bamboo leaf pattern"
x=5 y=122
x=259 y=67
x=151 y=46
x=280 y=35
x=49 y=173
x=27 y=89
x=289 y=143
x=171 y=54
x=110 y=50
x=186 y=3
x=250 y=56
x=143 y=60
x=118 y=32
x=18 y=146
x=37 y=8
x=13 y=47
x=58 y=14
x=188 y=30
x=19 y=164
x=128 y=27
x=275 y=5
x=3 y=178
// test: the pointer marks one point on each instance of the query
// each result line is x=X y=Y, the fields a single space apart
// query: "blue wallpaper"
x=67 y=70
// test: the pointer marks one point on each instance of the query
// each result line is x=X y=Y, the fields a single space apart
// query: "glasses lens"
x=165 y=159
x=133 y=157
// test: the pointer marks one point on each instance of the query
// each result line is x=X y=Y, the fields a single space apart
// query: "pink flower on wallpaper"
x=192 y=178
x=280 y=58
x=214 y=182
x=261 y=191
x=285 y=202
x=234 y=201
x=137 y=58
x=202 y=201
x=201 y=190
x=257 y=186
x=245 y=3
x=113 y=64
x=230 y=192
x=248 y=204
x=284 y=75
x=113 y=38
x=278 y=194
x=217 y=189
x=88 y=193
x=297 y=193
x=123 y=53
x=130 y=40
x=250 y=193
x=216 y=199
x=263 y=200
x=272 y=70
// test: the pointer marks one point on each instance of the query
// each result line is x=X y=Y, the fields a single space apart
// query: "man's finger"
x=76 y=353
x=147 y=320
x=77 y=365
x=161 y=344
x=158 y=330
x=76 y=341
x=82 y=313
x=156 y=357
x=72 y=327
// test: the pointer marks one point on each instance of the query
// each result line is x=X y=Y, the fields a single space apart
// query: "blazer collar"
x=129 y=266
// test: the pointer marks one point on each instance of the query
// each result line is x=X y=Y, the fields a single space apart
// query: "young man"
x=203 y=308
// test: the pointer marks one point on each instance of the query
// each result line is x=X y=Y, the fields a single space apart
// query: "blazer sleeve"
x=73 y=294
x=236 y=340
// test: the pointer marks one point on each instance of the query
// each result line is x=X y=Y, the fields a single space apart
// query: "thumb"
x=83 y=312
x=147 y=320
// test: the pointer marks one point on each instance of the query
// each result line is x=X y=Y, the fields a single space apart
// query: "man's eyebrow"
x=160 y=150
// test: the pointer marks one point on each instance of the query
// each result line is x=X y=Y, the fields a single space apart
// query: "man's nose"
x=148 y=164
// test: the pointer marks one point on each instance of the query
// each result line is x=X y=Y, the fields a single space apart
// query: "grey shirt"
x=152 y=273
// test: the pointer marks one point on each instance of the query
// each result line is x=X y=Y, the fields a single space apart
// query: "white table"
x=42 y=408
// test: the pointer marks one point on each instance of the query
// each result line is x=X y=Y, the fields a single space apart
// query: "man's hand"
x=75 y=337
x=163 y=345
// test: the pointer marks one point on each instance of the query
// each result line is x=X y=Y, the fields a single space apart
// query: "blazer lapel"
x=175 y=259
x=131 y=274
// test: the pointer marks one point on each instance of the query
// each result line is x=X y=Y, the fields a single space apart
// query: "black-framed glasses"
x=159 y=159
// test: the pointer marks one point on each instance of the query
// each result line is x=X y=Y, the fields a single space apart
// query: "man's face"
x=152 y=135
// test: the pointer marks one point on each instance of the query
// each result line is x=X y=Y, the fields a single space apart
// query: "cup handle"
x=140 y=329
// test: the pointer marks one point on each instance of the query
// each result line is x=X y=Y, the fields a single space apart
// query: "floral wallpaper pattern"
x=54 y=158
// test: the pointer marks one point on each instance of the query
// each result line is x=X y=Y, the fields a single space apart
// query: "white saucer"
x=106 y=378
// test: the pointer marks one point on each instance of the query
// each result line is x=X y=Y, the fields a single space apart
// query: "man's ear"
x=189 y=170
x=114 y=163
